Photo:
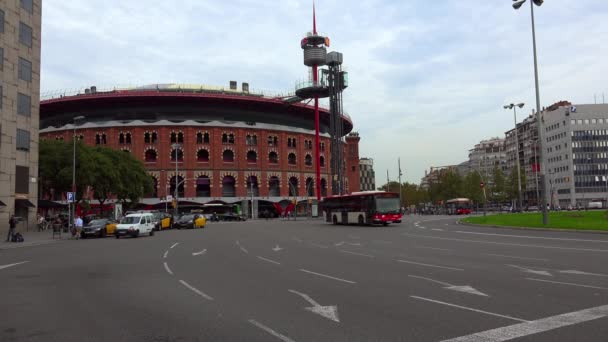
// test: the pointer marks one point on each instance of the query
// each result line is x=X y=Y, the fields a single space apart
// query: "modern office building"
x=528 y=157
x=486 y=156
x=19 y=101
x=367 y=174
x=576 y=154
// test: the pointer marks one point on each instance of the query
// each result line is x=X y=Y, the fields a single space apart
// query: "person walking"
x=78 y=227
x=12 y=223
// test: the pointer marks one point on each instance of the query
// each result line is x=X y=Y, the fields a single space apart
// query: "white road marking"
x=168 y=269
x=201 y=252
x=508 y=244
x=329 y=312
x=462 y=288
x=577 y=272
x=514 y=257
x=437 y=229
x=439 y=249
x=318 y=245
x=339 y=243
x=165 y=255
x=421 y=227
x=272 y=261
x=277 y=248
x=470 y=309
x=195 y=290
x=327 y=276
x=354 y=244
x=530 y=237
x=296 y=239
x=429 y=265
x=417 y=223
x=11 y=265
x=382 y=241
x=270 y=331
x=571 y=284
x=446 y=224
x=534 y=327
x=175 y=244
x=533 y=271
x=361 y=254
x=241 y=247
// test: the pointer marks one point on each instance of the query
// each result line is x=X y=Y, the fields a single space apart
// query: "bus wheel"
x=361 y=220
x=335 y=219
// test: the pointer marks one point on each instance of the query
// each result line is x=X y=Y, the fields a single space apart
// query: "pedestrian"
x=12 y=223
x=78 y=227
x=41 y=222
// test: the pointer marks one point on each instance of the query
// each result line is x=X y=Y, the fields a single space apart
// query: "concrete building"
x=19 y=114
x=528 y=157
x=576 y=153
x=367 y=174
x=487 y=155
x=434 y=173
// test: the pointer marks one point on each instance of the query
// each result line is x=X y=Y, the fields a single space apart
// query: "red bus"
x=367 y=207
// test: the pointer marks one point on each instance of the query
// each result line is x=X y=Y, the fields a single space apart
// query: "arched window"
x=291 y=159
x=228 y=156
x=202 y=155
x=289 y=142
x=323 y=187
x=121 y=138
x=308 y=160
x=322 y=161
x=180 y=155
x=180 y=137
x=252 y=186
x=206 y=138
x=252 y=157
x=173 y=137
x=231 y=138
x=273 y=158
x=322 y=147
x=203 y=186
x=97 y=139
x=199 y=138
x=81 y=137
x=224 y=138
x=274 y=187
x=147 y=138
x=228 y=189
x=252 y=140
x=180 y=187
x=293 y=186
x=310 y=187
x=154 y=137
x=103 y=139
x=151 y=155
x=273 y=140
x=128 y=139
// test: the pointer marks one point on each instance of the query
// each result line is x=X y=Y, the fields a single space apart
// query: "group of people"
x=43 y=223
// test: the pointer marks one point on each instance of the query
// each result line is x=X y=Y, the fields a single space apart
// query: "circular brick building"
x=227 y=144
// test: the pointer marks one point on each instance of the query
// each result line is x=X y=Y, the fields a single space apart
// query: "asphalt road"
x=426 y=279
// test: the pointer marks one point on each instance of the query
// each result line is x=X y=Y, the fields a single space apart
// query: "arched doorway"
x=323 y=187
x=252 y=186
x=310 y=187
x=203 y=186
x=274 y=187
x=293 y=186
x=180 y=188
x=228 y=187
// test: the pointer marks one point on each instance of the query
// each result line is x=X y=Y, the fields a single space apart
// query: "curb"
x=600 y=232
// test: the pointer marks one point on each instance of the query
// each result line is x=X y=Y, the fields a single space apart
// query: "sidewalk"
x=34 y=239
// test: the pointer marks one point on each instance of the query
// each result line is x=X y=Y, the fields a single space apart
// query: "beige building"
x=20 y=88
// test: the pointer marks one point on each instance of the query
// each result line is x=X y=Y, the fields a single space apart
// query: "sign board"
x=71 y=197
x=169 y=198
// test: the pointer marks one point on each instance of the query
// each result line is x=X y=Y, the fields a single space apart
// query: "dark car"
x=190 y=221
x=98 y=228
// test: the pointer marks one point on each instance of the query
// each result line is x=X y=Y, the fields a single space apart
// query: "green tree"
x=106 y=176
x=472 y=187
x=55 y=167
x=497 y=192
x=512 y=186
x=134 y=181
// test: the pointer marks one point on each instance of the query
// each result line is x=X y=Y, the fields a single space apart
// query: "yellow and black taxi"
x=99 y=228
x=194 y=220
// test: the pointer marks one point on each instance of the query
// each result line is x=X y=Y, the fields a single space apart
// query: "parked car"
x=99 y=228
x=135 y=225
x=190 y=221
x=463 y=211
x=532 y=208
x=595 y=205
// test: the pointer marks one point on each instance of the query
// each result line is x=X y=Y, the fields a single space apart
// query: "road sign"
x=71 y=197
x=482 y=184
x=169 y=198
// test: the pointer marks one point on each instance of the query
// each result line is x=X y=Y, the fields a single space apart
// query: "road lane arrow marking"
x=583 y=273
x=529 y=270
x=11 y=265
x=330 y=312
x=464 y=288
x=277 y=248
x=201 y=252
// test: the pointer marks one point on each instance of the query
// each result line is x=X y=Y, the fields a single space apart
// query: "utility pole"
x=400 y=174
x=388 y=182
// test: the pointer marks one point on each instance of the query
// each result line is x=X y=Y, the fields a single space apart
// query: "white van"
x=594 y=205
x=136 y=224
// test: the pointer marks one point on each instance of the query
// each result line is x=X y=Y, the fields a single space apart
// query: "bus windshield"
x=387 y=205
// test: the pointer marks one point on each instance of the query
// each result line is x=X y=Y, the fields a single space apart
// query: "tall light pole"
x=176 y=147
x=514 y=107
x=400 y=174
x=73 y=212
x=536 y=172
x=516 y=5
x=251 y=192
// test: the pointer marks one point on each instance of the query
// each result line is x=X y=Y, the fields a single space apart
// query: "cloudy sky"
x=428 y=79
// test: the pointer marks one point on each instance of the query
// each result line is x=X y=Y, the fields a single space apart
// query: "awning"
x=23 y=203
x=2 y=204
x=46 y=204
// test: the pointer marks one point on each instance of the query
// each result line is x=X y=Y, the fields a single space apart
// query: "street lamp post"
x=176 y=147
x=251 y=193
x=73 y=204
x=516 y=5
x=536 y=172
x=514 y=107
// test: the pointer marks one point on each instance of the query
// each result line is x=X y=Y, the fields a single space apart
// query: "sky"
x=427 y=79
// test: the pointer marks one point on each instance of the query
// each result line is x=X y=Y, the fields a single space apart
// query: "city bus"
x=458 y=206
x=363 y=208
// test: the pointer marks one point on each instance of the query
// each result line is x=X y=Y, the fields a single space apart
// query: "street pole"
x=175 y=147
x=251 y=193
x=72 y=211
x=517 y=157
x=538 y=118
x=388 y=182
x=400 y=199
x=536 y=172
